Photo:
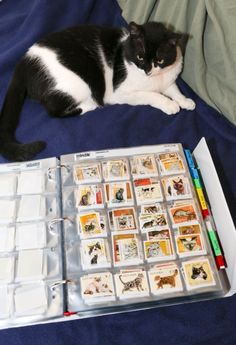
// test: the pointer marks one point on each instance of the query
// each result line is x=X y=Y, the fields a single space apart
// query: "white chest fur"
x=159 y=80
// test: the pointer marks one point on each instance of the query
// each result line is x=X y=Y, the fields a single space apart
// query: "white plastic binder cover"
x=220 y=210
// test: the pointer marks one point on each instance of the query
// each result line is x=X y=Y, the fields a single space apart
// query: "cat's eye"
x=160 y=62
x=140 y=58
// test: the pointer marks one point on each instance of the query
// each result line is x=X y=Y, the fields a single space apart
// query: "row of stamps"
x=160 y=279
x=94 y=223
x=126 y=248
x=120 y=193
x=118 y=169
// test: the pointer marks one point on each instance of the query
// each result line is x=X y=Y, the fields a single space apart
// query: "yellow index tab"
x=201 y=198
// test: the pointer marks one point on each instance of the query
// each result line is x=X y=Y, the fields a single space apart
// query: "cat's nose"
x=148 y=70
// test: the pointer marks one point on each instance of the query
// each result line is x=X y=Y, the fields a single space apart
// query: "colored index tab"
x=213 y=239
x=197 y=183
x=194 y=174
x=201 y=198
x=189 y=158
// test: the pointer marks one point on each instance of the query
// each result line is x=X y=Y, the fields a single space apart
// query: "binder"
x=102 y=232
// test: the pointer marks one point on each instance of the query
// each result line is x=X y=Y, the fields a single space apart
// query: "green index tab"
x=213 y=239
x=197 y=183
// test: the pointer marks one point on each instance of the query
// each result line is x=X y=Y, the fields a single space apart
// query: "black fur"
x=77 y=49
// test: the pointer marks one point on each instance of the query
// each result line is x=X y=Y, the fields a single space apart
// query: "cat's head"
x=152 y=47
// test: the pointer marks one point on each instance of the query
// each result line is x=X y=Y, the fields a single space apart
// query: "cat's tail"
x=9 y=119
x=175 y=273
x=121 y=279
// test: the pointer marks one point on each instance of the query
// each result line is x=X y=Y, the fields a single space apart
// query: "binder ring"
x=61 y=282
x=52 y=169
x=57 y=220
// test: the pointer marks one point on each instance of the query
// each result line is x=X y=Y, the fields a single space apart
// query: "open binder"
x=108 y=231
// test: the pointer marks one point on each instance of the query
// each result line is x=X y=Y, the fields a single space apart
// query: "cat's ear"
x=175 y=38
x=180 y=40
x=135 y=29
x=137 y=37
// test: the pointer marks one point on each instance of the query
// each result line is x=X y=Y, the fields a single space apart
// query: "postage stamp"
x=189 y=245
x=157 y=250
x=116 y=169
x=143 y=165
x=189 y=229
x=165 y=278
x=152 y=208
x=153 y=221
x=131 y=283
x=119 y=193
x=87 y=172
x=170 y=163
x=123 y=219
x=88 y=196
x=147 y=190
x=97 y=287
x=198 y=274
x=184 y=214
x=91 y=224
x=159 y=234
x=176 y=187
x=95 y=253
x=126 y=249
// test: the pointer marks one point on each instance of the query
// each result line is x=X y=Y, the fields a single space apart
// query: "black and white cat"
x=79 y=69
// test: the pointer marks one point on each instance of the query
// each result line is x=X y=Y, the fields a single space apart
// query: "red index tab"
x=220 y=262
x=205 y=213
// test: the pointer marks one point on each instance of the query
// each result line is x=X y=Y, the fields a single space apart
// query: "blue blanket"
x=23 y=22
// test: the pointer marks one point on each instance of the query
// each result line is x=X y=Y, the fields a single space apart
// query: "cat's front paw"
x=187 y=103
x=170 y=107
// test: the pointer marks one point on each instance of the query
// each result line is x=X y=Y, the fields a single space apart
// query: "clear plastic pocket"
x=154 y=237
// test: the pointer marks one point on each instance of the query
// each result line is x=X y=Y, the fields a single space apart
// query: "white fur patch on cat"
x=157 y=89
x=108 y=76
x=65 y=80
